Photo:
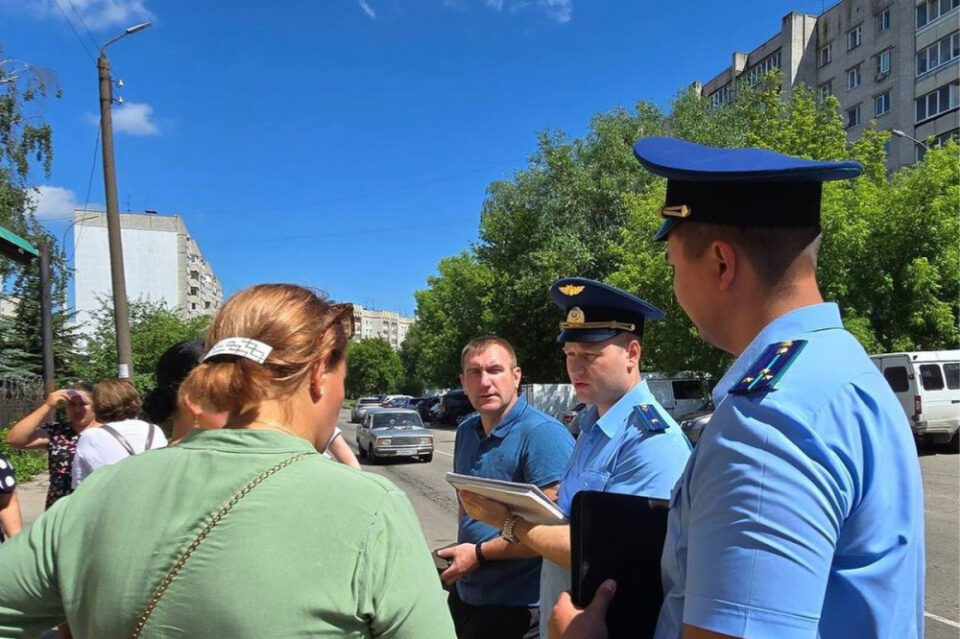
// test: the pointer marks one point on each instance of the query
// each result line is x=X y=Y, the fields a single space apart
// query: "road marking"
x=443 y=453
x=941 y=619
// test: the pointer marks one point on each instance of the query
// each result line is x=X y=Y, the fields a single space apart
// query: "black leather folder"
x=619 y=537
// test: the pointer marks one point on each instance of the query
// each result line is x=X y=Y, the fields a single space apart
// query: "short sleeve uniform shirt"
x=800 y=514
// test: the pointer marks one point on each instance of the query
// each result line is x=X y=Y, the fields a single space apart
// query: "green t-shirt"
x=317 y=549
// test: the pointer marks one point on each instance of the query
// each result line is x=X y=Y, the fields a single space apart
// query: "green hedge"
x=27 y=463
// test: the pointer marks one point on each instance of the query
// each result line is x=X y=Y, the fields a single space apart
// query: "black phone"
x=619 y=537
x=442 y=563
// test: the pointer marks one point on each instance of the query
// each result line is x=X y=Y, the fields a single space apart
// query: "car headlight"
x=426 y=440
x=384 y=442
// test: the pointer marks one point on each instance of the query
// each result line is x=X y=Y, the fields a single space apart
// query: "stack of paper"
x=526 y=500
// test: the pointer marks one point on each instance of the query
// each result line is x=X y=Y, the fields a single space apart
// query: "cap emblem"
x=575 y=316
x=571 y=289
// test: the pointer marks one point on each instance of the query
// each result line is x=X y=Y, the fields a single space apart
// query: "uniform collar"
x=501 y=429
x=788 y=326
x=244 y=440
x=615 y=419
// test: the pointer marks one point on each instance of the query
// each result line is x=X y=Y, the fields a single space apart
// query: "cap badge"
x=571 y=289
x=576 y=316
x=676 y=211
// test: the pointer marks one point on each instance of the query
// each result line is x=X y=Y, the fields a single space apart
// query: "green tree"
x=373 y=367
x=154 y=328
x=410 y=353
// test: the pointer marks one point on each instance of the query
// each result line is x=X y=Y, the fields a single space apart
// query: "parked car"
x=453 y=406
x=424 y=407
x=394 y=433
x=361 y=406
x=677 y=395
x=693 y=423
x=571 y=419
x=927 y=383
x=395 y=401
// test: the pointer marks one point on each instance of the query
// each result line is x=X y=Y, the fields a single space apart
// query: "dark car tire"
x=360 y=450
x=426 y=458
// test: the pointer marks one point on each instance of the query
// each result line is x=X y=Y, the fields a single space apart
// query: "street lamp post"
x=901 y=134
x=120 y=313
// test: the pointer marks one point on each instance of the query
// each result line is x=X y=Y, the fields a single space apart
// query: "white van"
x=678 y=395
x=927 y=383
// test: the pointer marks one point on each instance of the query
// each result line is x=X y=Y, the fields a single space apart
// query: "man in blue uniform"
x=496 y=591
x=800 y=514
x=628 y=443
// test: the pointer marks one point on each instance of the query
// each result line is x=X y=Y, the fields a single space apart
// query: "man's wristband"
x=478 y=548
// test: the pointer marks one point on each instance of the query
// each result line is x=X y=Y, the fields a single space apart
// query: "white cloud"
x=557 y=10
x=53 y=202
x=96 y=14
x=367 y=9
x=496 y=5
x=560 y=11
x=134 y=118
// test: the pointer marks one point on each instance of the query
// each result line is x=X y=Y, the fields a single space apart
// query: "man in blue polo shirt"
x=498 y=583
x=628 y=443
x=800 y=514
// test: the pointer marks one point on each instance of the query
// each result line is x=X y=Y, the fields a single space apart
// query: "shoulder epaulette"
x=764 y=374
x=650 y=417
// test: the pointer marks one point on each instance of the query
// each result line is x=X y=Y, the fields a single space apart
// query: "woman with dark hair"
x=59 y=438
x=244 y=531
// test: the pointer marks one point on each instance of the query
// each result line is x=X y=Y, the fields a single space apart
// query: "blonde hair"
x=303 y=328
x=480 y=344
x=115 y=400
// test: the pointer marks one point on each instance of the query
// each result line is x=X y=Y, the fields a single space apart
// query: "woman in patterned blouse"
x=60 y=438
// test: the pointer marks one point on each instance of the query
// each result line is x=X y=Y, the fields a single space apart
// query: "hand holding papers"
x=526 y=500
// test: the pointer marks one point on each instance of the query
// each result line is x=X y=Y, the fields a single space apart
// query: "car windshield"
x=396 y=420
x=369 y=400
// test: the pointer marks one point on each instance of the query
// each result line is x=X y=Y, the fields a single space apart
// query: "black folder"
x=619 y=537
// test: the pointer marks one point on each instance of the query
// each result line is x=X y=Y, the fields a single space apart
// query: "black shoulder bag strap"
x=120 y=438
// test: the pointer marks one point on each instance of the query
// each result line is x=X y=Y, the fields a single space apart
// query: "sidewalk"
x=33 y=497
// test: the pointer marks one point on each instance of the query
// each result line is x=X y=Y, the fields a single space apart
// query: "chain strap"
x=189 y=550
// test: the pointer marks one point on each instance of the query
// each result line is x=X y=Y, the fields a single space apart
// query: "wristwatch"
x=507 y=532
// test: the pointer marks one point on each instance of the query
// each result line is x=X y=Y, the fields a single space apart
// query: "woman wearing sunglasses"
x=59 y=438
x=243 y=531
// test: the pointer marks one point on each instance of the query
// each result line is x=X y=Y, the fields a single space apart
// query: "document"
x=526 y=500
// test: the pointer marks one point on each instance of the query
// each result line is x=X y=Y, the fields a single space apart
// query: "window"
x=883 y=63
x=854 y=38
x=933 y=9
x=721 y=96
x=194 y=290
x=897 y=378
x=853 y=77
x=883 y=21
x=825 y=57
x=194 y=275
x=930 y=377
x=881 y=103
x=687 y=389
x=939 y=140
x=757 y=71
x=952 y=373
x=853 y=116
x=825 y=89
x=939 y=53
x=939 y=101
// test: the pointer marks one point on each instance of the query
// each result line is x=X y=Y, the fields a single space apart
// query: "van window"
x=952 y=373
x=688 y=389
x=897 y=378
x=930 y=377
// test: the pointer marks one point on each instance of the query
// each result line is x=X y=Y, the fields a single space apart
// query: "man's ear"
x=634 y=350
x=724 y=258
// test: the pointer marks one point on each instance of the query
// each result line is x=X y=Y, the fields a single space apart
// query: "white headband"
x=241 y=347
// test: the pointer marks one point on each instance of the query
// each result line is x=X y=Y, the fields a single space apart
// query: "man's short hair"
x=115 y=400
x=774 y=252
x=480 y=344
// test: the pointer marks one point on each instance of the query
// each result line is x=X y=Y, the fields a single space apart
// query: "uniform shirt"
x=800 y=513
x=315 y=550
x=616 y=453
x=527 y=446
x=97 y=447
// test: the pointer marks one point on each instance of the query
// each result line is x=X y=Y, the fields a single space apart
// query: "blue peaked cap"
x=595 y=312
x=740 y=187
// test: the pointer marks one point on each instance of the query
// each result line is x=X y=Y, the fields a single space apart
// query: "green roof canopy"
x=16 y=248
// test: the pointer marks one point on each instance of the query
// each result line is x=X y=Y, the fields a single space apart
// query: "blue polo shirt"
x=616 y=453
x=526 y=446
x=800 y=514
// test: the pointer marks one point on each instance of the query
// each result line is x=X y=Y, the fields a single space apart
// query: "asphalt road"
x=434 y=501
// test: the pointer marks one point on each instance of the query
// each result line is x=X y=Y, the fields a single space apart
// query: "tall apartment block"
x=893 y=61
x=161 y=262
x=385 y=324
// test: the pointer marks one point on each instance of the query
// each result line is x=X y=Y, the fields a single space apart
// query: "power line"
x=70 y=24
x=86 y=198
x=84 y=24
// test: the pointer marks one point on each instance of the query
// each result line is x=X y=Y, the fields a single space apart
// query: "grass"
x=26 y=463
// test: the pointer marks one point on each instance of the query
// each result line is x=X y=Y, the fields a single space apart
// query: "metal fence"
x=18 y=397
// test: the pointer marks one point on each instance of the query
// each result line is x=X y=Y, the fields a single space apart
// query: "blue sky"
x=348 y=144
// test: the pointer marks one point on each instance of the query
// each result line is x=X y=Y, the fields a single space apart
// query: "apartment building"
x=893 y=61
x=388 y=325
x=161 y=262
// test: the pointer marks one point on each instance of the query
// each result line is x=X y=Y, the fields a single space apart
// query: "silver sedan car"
x=394 y=433
x=361 y=407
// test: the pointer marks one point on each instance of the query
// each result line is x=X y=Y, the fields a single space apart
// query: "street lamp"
x=901 y=134
x=120 y=313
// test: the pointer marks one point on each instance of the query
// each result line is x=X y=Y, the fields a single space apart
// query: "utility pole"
x=121 y=316
x=46 y=324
